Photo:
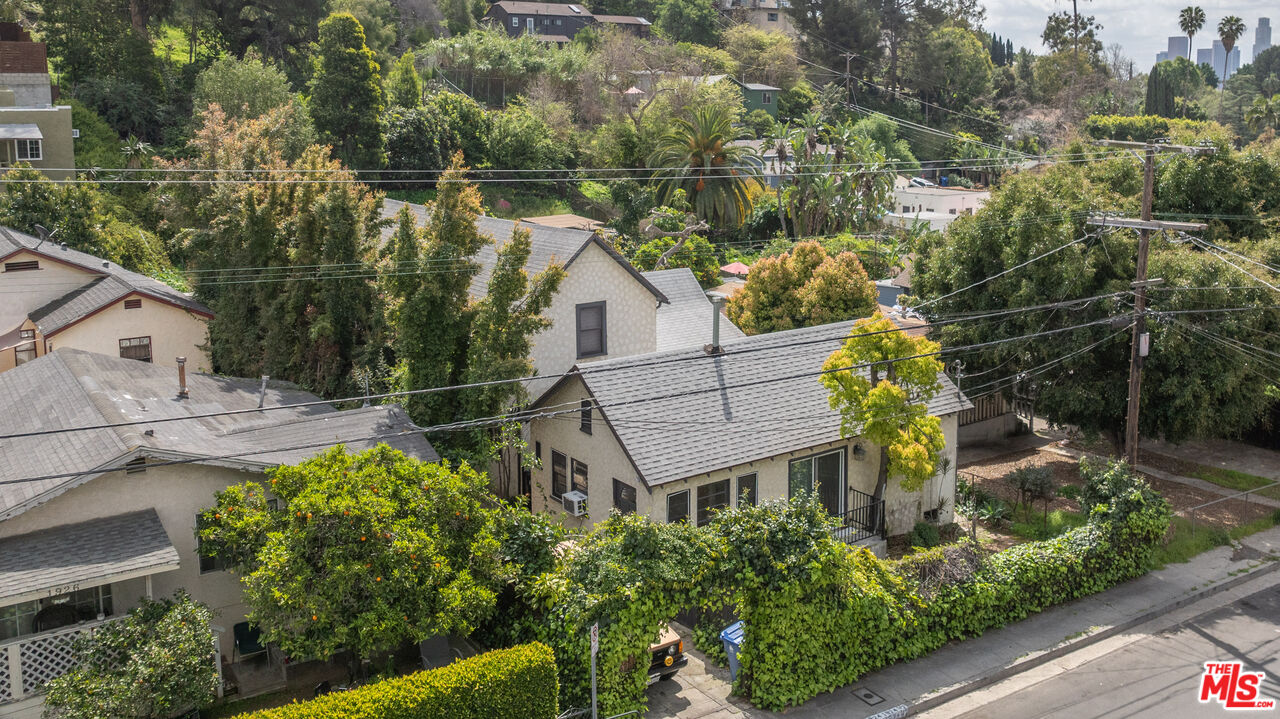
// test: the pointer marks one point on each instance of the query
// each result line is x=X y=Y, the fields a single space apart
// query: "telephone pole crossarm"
x=1136 y=224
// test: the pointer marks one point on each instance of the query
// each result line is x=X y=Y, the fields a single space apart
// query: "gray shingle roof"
x=686 y=321
x=543 y=8
x=72 y=388
x=116 y=282
x=84 y=552
x=685 y=430
x=547 y=245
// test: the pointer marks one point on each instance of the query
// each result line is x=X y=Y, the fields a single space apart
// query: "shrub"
x=517 y=682
x=925 y=535
x=154 y=663
x=1069 y=491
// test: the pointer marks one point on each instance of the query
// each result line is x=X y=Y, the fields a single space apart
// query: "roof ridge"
x=333 y=412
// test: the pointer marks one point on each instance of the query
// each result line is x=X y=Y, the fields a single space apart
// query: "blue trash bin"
x=732 y=638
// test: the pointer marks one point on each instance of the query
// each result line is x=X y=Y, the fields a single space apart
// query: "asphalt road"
x=1155 y=676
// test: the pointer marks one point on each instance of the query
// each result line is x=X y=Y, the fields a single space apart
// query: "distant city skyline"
x=1142 y=33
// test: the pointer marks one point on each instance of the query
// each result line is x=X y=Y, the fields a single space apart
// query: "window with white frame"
x=515 y=22
x=29 y=150
x=26 y=350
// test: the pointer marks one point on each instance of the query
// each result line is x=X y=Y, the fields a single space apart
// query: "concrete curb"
x=1266 y=566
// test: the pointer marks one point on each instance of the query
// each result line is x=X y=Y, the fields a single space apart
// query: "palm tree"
x=1263 y=113
x=1190 y=20
x=697 y=155
x=1229 y=30
x=134 y=150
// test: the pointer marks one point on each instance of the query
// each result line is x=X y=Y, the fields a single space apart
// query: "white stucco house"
x=59 y=297
x=605 y=307
x=94 y=519
x=676 y=435
x=932 y=205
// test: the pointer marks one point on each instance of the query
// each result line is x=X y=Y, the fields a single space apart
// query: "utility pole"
x=1139 y=345
x=848 y=77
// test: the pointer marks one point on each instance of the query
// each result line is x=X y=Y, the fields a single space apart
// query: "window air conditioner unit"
x=575 y=503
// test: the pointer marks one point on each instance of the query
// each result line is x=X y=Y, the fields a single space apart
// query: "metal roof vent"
x=576 y=9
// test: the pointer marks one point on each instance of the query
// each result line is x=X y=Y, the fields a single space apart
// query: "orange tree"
x=364 y=551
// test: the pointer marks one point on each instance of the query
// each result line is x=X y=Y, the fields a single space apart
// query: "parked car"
x=668 y=656
x=921 y=182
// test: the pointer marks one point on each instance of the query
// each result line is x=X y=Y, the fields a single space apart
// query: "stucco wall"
x=177 y=493
x=606 y=461
x=174 y=332
x=631 y=316
x=57 y=148
x=31 y=289
x=29 y=88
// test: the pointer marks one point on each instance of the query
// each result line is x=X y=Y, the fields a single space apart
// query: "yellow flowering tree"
x=881 y=380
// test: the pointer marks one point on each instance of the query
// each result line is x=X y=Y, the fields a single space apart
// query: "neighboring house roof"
x=113 y=283
x=516 y=7
x=759 y=87
x=623 y=19
x=683 y=413
x=547 y=245
x=113 y=549
x=686 y=321
x=71 y=388
x=22 y=131
x=568 y=221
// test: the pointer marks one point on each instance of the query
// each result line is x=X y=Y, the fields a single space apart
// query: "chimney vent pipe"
x=717 y=301
x=262 y=393
x=182 y=377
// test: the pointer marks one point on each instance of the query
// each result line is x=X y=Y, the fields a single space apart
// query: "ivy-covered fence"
x=850 y=613
x=818 y=613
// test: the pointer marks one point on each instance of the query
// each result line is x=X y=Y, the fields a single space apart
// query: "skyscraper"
x=1161 y=56
x=1262 y=37
x=1178 y=47
x=1214 y=57
x=1204 y=56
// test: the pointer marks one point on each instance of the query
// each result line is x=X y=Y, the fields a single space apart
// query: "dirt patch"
x=988 y=474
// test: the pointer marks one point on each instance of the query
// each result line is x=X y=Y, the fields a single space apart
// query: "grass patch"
x=172 y=43
x=244 y=706
x=1033 y=526
x=1183 y=544
x=518 y=202
x=1239 y=481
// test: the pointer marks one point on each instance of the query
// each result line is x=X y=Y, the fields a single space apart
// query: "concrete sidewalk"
x=702 y=691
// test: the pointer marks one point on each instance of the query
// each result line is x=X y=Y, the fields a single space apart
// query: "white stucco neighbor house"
x=932 y=205
x=93 y=520
x=677 y=435
x=59 y=297
x=605 y=308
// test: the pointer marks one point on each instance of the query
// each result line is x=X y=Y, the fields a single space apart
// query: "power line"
x=587 y=369
x=1004 y=272
x=530 y=415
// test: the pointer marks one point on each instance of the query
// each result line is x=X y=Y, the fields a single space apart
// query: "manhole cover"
x=868 y=696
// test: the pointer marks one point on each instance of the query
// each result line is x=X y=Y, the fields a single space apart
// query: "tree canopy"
x=802 y=288
x=366 y=552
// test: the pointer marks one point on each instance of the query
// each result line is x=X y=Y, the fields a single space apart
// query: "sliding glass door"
x=823 y=475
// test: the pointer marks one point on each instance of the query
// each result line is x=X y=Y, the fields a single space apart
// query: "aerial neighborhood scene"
x=682 y=359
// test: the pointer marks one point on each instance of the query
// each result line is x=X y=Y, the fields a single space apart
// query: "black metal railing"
x=863 y=520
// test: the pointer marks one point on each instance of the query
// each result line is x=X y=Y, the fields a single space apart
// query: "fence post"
x=15 y=670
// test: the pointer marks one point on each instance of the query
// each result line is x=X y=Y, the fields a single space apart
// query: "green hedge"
x=1141 y=128
x=856 y=613
x=519 y=683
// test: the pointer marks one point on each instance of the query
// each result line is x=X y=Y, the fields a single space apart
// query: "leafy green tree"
x=1168 y=81
x=346 y=94
x=695 y=21
x=794 y=103
x=380 y=21
x=887 y=402
x=696 y=155
x=846 y=187
x=98 y=144
x=696 y=253
x=435 y=323
x=802 y=288
x=502 y=328
x=1190 y=384
x=466 y=125
x=417 y=139
x=1190 y=21
x=153 y=664
x=404 y=86
x=280 y=30
x=368 y=551
x=243 y=87
x=1263 y=113
x=956 y=70
x=1066 y=31
x=829 y=28
x=520 y=140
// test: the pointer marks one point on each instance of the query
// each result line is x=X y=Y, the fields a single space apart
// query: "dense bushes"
x=1142 y=128
x=852 y=613
x=517 y=682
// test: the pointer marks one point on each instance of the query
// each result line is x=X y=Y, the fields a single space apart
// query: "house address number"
x=64 y=589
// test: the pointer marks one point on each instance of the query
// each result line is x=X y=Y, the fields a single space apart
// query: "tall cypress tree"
x=346 y=94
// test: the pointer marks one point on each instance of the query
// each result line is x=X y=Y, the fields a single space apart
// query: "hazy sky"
x=1141 y=26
